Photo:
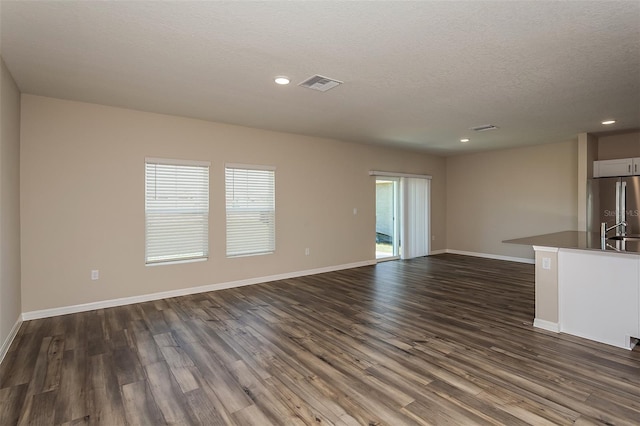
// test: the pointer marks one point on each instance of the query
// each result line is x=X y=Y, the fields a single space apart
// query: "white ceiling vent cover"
x=320 y=83
x=484 y=128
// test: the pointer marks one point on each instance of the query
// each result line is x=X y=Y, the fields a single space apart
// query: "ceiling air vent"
x=318 y=82
x=484 y=128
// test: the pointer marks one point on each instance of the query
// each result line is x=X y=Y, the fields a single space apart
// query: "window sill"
x=177 y=262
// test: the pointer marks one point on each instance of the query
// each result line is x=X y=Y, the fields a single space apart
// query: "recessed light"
x=464 y=140
x=282 y=80
x=607 y=122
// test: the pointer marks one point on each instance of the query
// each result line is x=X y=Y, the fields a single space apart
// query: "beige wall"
x=619 y=145
x=512 y=193
x=9 y=203
x=547 y=286
x=587 y=153
x=82 y=205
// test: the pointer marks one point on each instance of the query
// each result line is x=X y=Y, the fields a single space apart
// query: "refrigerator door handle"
x=619 y=203
x=618 y=183
x=622 y=203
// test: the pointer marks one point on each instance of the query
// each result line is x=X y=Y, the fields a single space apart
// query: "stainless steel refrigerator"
x=613 y=200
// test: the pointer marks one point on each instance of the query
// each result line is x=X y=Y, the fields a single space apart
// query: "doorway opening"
x=402 y=215
x=387 y=215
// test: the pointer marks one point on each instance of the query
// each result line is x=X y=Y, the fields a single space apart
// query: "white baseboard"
x=546 y=325
x=493 y=256
x=45 y=313
x=7 y=342
x=434 y=252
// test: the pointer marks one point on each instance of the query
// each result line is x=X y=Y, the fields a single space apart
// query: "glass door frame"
x=395 y=227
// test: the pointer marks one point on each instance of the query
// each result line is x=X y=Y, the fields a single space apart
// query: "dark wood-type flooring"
x=440 y=340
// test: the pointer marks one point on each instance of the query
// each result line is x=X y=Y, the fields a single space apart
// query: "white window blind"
x=415 y=217
x=251 y=210
x=176 y=210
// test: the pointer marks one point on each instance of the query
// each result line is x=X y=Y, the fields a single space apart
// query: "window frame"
x=197 y=207
x=268 y=214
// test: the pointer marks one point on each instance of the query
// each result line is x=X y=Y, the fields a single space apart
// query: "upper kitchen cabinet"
x=617 y=167
x=618 y=153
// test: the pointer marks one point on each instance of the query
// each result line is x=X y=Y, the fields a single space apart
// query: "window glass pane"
x=176 y=212
x=250 y=205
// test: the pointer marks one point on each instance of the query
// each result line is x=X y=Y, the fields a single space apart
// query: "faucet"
x=604 y=230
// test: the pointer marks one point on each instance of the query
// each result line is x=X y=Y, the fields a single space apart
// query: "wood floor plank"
x=104 y=400
x=139 y=405
x=470 y=403
x=11 y=400
x=445 y=339
x=167 y=394
x=75 y=331
x=127 y=366
x=154 y=318
x=41 y=408
x=272 y=408
x=17 y=367
x=204 y=404
x=36 y=385
x=71 y=400
x=220 y=379
x=146 y=348
x=97 y=342
x=251 y=416
x=308 y=409
x=178 y=326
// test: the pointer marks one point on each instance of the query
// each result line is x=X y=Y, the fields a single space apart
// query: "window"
x=176 y=210
x=251 y=210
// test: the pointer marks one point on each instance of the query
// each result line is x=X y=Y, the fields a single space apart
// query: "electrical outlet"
x=355 y=211
x=306 y=252
x=546 y=263
x=95 y=274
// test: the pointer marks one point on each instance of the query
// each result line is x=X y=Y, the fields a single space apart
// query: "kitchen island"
x=585 y=289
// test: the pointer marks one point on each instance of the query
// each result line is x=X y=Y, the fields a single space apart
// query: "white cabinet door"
x=599 y=296
x=619 y=167
x=635 y=166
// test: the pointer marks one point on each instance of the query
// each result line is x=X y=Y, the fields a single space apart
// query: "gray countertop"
x=577 y=240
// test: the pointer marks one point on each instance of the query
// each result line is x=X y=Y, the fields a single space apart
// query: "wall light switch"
x=95 y=274
x=306 y=252
x=355 y=211
x=546 y=263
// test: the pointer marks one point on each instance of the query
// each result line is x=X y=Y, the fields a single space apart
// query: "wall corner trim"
x=45 y=313
x=546 y=325
x=493 y=256
x=7 y=342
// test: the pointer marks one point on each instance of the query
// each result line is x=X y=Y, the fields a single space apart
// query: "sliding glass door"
x=402 y=215
x=387 y=218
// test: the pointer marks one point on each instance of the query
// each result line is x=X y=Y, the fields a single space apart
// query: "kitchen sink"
x=625 y=238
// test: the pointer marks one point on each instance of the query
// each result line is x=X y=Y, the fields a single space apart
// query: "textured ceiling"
x=416 y=74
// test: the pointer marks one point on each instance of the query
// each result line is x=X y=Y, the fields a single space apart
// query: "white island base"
x=599 y=296
x=585 y=291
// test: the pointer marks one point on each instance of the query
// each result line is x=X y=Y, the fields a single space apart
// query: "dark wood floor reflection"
x=440 y=340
